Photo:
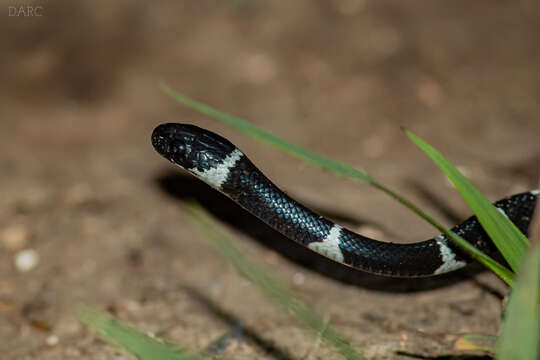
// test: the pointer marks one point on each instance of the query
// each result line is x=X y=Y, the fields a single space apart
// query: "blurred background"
x=97 y=211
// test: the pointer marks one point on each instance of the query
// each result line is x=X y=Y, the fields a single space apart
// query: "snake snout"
x=190 y=146
x=161 y=140
x=173 y=142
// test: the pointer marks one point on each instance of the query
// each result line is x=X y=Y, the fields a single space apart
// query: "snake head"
x=190 y=146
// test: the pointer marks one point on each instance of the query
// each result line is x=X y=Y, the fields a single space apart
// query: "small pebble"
x=259 y=68
x=14 y=237
x=299 y=278
x=26 y=260
x=52 y=340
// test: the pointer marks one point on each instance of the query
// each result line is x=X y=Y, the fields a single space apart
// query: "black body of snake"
x=222 y=165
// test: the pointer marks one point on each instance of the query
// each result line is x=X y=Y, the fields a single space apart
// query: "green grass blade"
x=506 y=275
x=509 y=240
x=520 y=337
x=269 y=138
x=225 y=247
x=333 y=167
x=131 y=340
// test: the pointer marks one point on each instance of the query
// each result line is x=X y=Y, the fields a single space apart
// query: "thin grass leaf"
x=131 y=340
x=225 y=247
x=520 y=337
x=333 y=167
x=269 y=138
x=509 y=240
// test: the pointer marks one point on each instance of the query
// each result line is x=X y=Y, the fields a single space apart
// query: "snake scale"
x=219 y=163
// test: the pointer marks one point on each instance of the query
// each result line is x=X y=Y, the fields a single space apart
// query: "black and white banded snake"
x=223 y=166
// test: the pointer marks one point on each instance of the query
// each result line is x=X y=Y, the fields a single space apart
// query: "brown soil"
x=82 y=186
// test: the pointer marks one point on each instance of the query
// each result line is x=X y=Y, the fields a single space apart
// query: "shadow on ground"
x=183 y=187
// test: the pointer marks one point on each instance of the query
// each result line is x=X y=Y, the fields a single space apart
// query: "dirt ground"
x=83 y=189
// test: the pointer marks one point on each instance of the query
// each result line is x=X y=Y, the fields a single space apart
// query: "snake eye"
x=179 y=153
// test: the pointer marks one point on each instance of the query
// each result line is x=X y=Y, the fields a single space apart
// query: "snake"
x=216 y=161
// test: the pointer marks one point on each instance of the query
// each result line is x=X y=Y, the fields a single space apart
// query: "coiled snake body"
x=222 y=165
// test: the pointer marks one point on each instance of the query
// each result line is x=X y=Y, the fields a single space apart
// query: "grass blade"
x=269 y=138
x=520 y=337
x=509 y=240
x=225 y=247
x=335 y=167
x=131 y=340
